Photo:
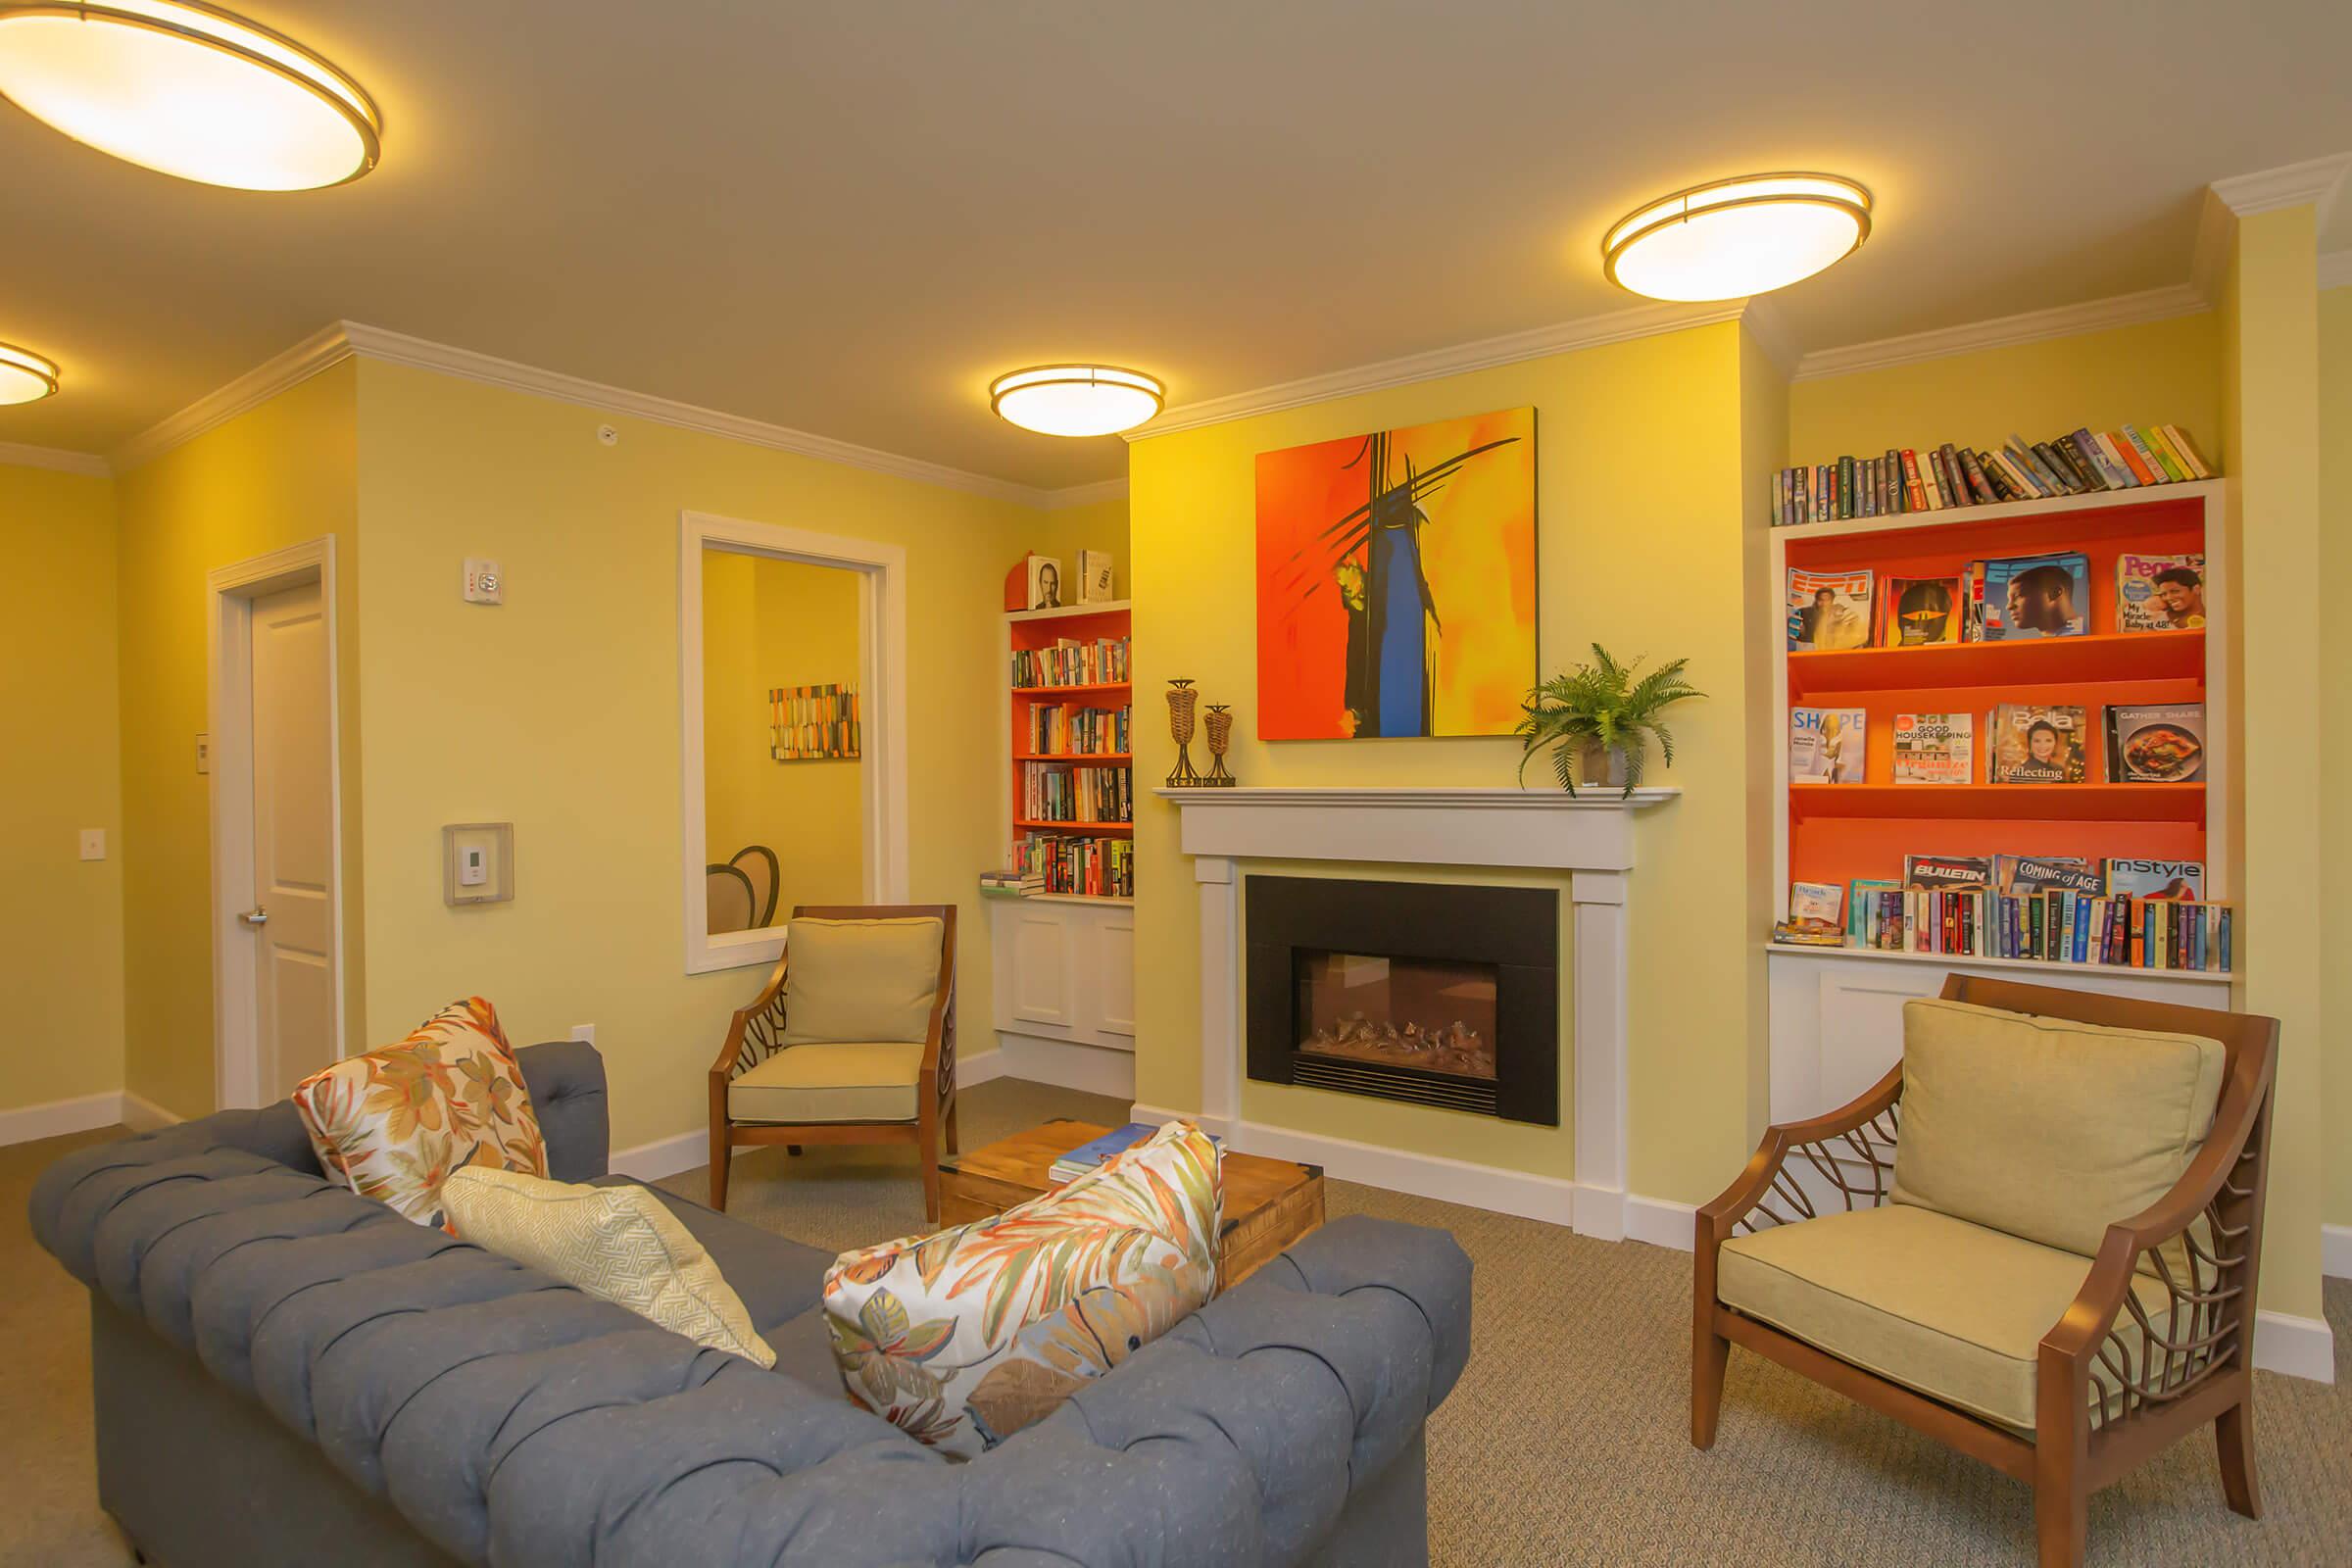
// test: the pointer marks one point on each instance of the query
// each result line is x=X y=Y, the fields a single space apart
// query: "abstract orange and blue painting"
x=1396 y=581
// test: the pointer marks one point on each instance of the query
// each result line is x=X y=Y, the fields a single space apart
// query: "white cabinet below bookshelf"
x=1837 y=1013
x=1065 y=993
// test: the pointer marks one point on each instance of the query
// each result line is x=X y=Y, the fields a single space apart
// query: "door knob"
x=255 y=916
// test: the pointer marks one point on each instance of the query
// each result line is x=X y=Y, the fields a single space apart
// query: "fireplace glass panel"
x=1399 y=1013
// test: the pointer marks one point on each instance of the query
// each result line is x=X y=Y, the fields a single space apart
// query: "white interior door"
x=293 y=840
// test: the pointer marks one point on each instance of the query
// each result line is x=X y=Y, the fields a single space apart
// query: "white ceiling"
x=845 y=217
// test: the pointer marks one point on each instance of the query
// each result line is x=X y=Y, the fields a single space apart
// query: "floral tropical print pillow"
x=394 y=1123
x=963 y=1338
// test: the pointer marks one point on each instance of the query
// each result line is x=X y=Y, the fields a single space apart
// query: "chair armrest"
x=2202 y=1241
x=756 y=1026
x=1859 y=1133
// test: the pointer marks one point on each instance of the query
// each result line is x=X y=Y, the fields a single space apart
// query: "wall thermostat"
x=485 y=583
x=477 y=862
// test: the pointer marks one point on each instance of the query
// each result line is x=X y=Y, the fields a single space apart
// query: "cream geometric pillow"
x=963 y=1338
x=618 y=1243
x=394 y=1123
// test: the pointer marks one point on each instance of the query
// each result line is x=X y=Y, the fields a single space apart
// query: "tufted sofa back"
x=510 y=1419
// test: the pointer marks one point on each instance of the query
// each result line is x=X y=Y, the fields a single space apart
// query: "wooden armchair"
x=858 y=1089
x=2156 y=1343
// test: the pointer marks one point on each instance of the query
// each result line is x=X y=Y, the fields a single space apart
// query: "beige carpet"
x=1566 y=1441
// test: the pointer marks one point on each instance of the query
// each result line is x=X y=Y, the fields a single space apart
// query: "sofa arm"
x=1244 y=1430
x=566 y=1083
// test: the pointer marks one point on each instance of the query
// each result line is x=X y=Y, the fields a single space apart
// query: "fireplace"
x=1431 y=993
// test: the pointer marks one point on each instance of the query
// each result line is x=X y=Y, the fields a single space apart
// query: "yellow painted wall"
x=277 y=476
x=558 y=712
x=767 y=624
x=1642 y=545
x=2167 y=372
x=2271 y=450
x=2335 y=735
x=61 y=921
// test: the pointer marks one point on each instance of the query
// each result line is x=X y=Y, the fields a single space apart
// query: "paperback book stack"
x=1908 y=479
x=1057 y=793
x=1089 y=1155
x=1055 y=863
x=1071 y=664
x=1078 y=731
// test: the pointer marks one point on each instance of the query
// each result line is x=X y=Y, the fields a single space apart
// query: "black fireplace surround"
x=1297 y=923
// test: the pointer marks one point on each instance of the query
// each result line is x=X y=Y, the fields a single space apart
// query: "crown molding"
x=2314 y=180
x=342 y=340
x=14 y=455
x=2336 y=270
x=1592 y=332
x=323 y=350
x=1084 y=495
x=2031 y=326
x=394 y=348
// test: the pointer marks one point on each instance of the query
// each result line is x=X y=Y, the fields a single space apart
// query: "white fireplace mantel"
x=1590 y=836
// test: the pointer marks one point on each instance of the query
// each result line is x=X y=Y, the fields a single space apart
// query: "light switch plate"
x=485 y=582
x=204 y=754
x=93 y=844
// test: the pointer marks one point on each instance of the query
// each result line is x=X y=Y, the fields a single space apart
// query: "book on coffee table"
x=1087 y=1156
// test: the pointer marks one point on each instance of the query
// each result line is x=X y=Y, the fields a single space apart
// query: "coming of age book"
x=1817 y=902
x=2035 y=596
x=1935 y=749
x=2159 y=593
x=2030 y=875
x=1915 y=611
x=1827 y=745
x=2036 y=743
x=2159 y=743
x=1827 y=609
x=2156 y=879
x=1947 y=873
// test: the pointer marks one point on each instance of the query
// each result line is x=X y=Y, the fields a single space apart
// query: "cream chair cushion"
x=2044 y=1128
x=1951 y=1309
x=869 y=1081
x=618 y=1243
x=852 y=980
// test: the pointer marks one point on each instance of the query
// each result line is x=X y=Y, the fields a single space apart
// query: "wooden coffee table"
x=1269 y=1203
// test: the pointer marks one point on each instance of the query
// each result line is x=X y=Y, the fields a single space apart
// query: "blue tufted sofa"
x=285 y=1372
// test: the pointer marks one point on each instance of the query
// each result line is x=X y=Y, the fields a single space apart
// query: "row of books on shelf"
x=1998 y=600
x=2135 y=913
x=2027 y=743
x=1062 y=863
x=1052 y=793
x=1078 y=731
x=1907 y=479
x=1069 y=662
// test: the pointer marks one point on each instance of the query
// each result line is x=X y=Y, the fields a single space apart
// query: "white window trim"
x=882 y=674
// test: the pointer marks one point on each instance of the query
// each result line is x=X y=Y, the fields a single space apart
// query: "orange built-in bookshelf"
x=1028 y=630
x=1840 y=832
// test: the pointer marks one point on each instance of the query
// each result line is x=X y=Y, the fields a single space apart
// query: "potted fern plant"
x=1598 y=719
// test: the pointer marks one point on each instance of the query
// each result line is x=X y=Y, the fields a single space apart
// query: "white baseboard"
x=667 y=1156
x=143 y=1115
x=1661 y=1223
x=1090 y=1069
x=2335 y=1252
x=57 y=1118
x=2299 y=1347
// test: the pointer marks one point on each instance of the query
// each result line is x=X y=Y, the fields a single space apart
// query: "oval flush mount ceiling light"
x=1735 y=237
x=1076 y=399
x=187 y=90
x=24 y=377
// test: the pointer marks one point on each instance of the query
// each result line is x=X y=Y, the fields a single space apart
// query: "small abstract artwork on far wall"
x=1396 y=581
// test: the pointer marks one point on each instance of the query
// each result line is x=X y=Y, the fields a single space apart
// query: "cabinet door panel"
x=1114 y=965
x=1041 y=968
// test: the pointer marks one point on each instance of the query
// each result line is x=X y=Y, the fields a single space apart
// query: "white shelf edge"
x=1961 y=960
x=2004 y=511
x=1104 y=607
